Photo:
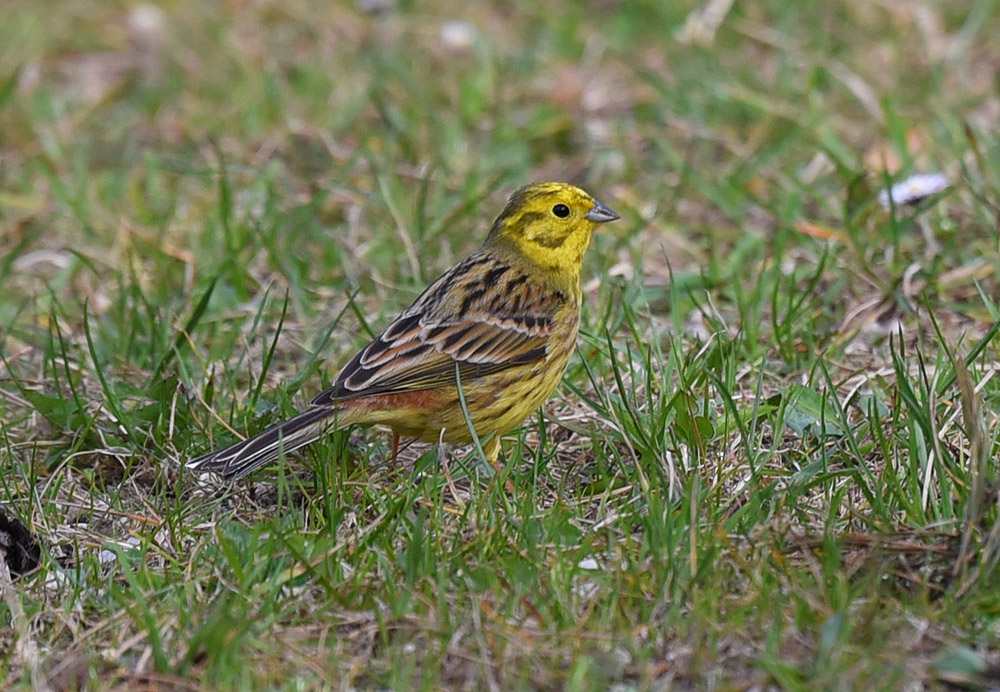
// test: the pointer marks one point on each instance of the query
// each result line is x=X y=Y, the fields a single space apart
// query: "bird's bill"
x=601 y=214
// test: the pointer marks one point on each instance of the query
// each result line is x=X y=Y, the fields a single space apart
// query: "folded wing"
x=482 y=317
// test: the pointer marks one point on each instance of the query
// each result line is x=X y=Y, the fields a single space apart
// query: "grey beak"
x=601 y=214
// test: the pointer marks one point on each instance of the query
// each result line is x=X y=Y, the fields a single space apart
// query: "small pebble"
x=457 y=36
x=914 y=189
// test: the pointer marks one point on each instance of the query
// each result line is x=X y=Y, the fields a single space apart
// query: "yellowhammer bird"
x=500 y=325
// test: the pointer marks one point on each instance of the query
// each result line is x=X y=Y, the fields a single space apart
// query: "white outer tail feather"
x=243 y=458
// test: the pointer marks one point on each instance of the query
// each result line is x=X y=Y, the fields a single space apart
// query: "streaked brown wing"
x=483 y=315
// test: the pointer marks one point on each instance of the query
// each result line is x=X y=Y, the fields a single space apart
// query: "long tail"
x=249 y=455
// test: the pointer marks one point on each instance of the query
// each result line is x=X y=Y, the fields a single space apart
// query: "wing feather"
x=483 y=316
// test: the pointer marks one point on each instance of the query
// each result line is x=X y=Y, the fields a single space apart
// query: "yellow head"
x=550 y=225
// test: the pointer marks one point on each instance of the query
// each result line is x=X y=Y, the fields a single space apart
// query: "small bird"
x=490 y=337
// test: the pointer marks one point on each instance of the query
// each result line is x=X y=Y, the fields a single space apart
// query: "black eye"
x=561 y=210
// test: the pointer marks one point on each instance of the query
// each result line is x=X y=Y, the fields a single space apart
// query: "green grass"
x=770 y=466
